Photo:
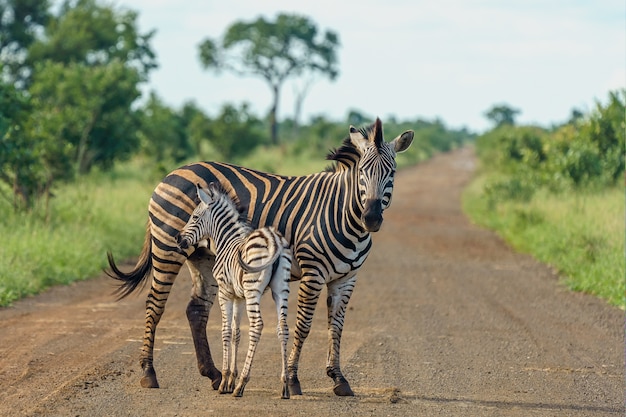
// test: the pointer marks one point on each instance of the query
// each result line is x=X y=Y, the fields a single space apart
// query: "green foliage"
x=162 y=132
x=68 y=242
x=88 y=109
x=502 y=115
x=586 y=154
x=553 y=193
x=289 y=47
x=80 y=78
x=307 y=152
x=236 y=132
x=20 y=21
x=94 y=34
x=580 y=234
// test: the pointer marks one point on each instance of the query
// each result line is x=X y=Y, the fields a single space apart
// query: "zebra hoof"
x=214 y=375
x=216 y=381
x=149 y=379
x=294 y=386
x=285 y=393
x=343 y=389
x=238 y=392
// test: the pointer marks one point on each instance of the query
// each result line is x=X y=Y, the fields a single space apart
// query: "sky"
x=411 y=59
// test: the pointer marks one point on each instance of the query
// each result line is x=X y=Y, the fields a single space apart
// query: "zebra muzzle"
x=372 y=215
x=182 y=242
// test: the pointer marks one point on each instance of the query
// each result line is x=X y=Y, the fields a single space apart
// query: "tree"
x=88 y=65
x=20 y=21
x=235 y=132
x=163 y=132
x=197 y=127
x=83 y=72
x=288 y=47
x=87 y=111
x=87 y=32
x=502 y=115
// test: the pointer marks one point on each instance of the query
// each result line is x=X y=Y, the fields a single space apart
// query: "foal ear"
x=203 y=194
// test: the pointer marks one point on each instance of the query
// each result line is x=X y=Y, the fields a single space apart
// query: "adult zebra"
x=326 y=217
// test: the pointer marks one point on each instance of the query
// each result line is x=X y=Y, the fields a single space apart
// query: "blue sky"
x=449 y=59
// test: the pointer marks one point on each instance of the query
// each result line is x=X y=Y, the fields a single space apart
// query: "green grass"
x=580 y=234
x=83 y=223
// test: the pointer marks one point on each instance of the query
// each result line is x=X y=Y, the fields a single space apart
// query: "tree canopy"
x=502 y=114
x=288 y=47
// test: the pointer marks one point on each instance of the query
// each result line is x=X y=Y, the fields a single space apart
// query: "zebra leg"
x=203 y=292
x=339 y=293
x=253 y=310
x=163 y=276
x=308 y=294
x=238 y=311
x=226 y=305
x=280 y=293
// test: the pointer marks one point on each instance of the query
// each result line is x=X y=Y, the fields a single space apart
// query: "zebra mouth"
x=372 y=215
x=182 y=242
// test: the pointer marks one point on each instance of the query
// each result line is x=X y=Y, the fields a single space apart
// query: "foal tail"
x=129 y=281
x=259 y=243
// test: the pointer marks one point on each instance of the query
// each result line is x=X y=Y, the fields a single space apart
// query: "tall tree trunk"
x=273 y=114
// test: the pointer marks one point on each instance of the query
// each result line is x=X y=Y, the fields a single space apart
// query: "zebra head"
x=200 y=226
x=376 y=169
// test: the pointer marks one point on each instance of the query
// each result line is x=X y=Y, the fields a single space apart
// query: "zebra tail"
x=253 y=269
x=131 y=280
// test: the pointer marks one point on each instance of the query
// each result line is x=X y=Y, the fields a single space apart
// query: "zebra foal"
x=247 y=263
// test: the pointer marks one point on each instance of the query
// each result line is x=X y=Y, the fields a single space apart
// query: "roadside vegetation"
x=558 y=194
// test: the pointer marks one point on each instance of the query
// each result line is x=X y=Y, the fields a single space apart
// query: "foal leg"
x=279 y=285
x=253 y=309
x=226 y=306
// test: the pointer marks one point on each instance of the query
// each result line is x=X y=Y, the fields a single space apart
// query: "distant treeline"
x=70 y=102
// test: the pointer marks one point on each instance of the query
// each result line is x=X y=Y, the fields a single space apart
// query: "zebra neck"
x=229 y=235
x=351 y=207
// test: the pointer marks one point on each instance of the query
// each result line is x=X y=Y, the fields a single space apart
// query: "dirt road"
x=445 y=321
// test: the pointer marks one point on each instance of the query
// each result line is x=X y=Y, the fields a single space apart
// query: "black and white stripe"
x=326 y=217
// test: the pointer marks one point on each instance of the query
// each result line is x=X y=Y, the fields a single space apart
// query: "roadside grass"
x=69 y=243
x=580 y=234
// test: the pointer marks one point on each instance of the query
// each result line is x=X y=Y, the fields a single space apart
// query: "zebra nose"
x=182 y=243
x=373 y=215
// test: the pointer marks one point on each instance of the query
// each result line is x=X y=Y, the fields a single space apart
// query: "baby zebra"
x=247 y=262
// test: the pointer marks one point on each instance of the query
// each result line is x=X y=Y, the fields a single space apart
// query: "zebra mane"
x=241 y=209
x=346 y=155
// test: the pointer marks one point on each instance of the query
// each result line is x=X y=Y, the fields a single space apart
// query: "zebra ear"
x=402 y=142
x=357 y=138
x=203 y=195
x=378 y=133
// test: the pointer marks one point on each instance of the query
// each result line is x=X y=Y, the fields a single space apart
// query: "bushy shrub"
x=585 y=153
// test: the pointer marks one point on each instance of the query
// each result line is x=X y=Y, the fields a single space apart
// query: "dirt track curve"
x=445 y=321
